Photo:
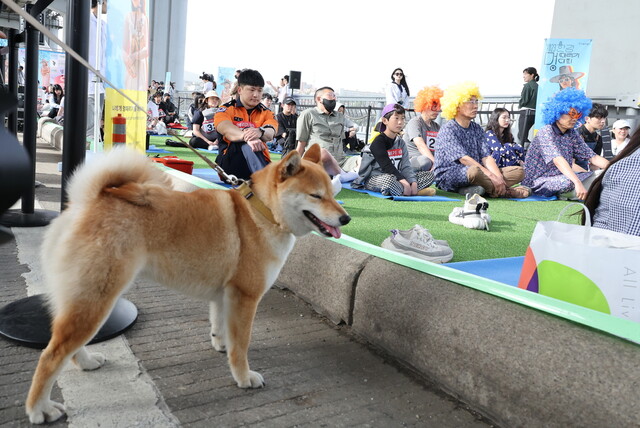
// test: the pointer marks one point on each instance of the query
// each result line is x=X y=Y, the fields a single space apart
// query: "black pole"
x=12 y=123
x=30 y=110
x=75 y=122
x=366 y=138
x=27 y=216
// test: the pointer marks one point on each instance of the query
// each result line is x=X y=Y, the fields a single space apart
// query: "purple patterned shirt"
x=454 y=142
x=540 y=173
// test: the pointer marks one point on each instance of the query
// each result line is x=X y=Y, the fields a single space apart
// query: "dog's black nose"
x=345 y=219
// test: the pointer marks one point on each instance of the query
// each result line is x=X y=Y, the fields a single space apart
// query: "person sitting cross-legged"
x=549 y=164
x=386 y=167
x=245 y=126
x=463 y=161
x=421 y=132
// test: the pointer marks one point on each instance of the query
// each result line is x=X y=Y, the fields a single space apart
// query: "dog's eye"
x=315 y=195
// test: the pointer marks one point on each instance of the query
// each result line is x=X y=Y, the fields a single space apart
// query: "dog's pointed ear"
x=290 y=165
x=313 y=154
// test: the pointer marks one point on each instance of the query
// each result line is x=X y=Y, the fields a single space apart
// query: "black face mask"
x=330 y=105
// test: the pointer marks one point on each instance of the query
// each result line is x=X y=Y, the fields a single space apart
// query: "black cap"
x=289 y=100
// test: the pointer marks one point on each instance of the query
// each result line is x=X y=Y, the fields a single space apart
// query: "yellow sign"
x=136 y=120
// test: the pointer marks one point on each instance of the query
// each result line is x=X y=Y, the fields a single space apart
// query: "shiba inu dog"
x=109 y=234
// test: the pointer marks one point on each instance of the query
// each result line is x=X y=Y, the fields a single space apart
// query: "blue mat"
x=209 y=175
x=435 y=198
x=506 y=271
x=535 y=198
x=215 y=152
x=154 y=149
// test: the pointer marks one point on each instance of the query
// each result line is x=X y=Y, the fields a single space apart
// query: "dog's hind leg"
x=241 y=310
x=71 y=330
x=88 y=361
x=78 y=317
x=217 y=319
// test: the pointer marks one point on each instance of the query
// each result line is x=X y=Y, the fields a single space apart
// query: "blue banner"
x=565 y=64
x=226 y=77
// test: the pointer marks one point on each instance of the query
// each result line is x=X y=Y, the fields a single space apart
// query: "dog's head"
x=299 y=193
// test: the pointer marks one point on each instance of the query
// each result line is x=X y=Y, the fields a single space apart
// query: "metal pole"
x=75 y=126
x=12 y=123
x=30 y=111
x=366 y=141
x=97 y=147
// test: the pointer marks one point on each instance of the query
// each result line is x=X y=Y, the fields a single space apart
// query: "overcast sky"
x=356 y=44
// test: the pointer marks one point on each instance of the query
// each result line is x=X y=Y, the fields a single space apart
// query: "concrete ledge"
x=52 y=133
x=517 y=365
x=328 y=284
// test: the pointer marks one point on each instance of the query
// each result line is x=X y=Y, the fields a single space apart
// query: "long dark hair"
x=533 y=71
x=55 y=96
x=403 y=82
x=593 y=197
x=200 y=102
x=494 y=126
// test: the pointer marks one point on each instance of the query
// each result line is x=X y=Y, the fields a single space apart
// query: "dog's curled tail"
x=122 y=172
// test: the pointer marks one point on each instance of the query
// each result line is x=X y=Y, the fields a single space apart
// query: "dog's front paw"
x=218 y=343
x=48 y=412
x=254 y=380
x=90 y=361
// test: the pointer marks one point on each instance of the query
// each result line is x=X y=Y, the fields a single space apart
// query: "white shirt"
x=283 y=91
x=152 y=108
x=615 y=149
x=397 y=94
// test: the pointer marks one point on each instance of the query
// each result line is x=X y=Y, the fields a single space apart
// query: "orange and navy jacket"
x=237 y=114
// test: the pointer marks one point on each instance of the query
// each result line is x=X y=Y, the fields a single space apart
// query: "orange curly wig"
x=427 y=97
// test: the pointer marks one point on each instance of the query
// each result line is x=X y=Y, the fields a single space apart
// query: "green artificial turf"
x=372 y=218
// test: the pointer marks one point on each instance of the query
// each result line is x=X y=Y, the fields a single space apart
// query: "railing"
x=365 y=111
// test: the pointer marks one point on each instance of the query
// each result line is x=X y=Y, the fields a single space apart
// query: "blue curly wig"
x=561 y=102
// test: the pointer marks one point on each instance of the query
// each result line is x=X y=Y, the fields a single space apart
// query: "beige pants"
x=511 y=174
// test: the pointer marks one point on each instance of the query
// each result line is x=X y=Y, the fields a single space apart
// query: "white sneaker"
x=470 y=220
x=473 y=215
x=417 y=228
x=417 y=242
x=348 y=176
x=476 y=203
x=336 y=184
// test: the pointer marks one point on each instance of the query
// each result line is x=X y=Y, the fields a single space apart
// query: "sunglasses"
x=435 y=106
x=398 y=74
x=574 y=114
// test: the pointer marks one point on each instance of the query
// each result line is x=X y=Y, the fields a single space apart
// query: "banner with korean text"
x=127 y=53
x=565 y=64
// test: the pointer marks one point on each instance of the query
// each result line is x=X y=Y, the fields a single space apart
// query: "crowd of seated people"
x=563 y=159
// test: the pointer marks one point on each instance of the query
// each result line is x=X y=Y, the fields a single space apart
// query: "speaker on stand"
x=294 y=80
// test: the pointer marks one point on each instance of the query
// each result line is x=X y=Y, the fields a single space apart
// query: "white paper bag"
x=588 y=266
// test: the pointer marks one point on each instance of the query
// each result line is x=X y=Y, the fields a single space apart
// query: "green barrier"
x=619 y=327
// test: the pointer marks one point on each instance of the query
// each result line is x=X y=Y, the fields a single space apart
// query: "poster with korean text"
x=565 y=64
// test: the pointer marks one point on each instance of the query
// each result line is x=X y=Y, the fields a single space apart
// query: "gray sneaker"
x=471 y=190
x=418 y=242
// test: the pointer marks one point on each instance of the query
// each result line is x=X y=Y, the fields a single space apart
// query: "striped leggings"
x=387 y=184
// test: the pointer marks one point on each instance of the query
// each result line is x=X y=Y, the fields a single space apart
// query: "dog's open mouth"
x=324 y=228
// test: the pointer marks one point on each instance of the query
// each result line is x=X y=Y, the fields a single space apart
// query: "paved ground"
x=164 y=372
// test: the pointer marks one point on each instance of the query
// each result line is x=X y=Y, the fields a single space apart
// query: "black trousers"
x=527 y=119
